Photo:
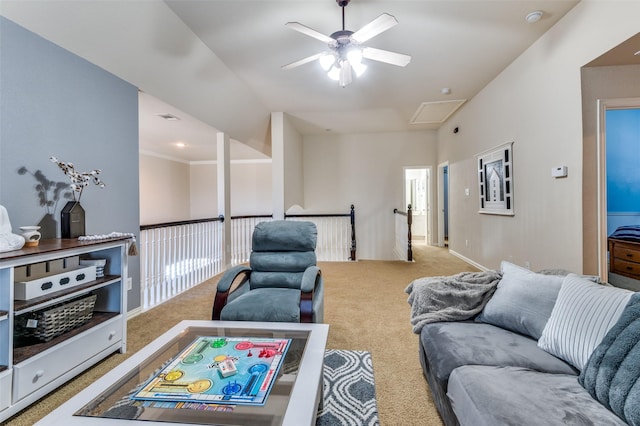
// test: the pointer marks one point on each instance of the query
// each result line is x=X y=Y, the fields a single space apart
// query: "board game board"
x=231 y=370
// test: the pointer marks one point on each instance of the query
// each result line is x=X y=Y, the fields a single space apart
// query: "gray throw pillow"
x=523 y=300
x=582 y=315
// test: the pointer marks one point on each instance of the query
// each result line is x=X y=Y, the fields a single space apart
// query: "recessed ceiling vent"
x=167 y=116
x=435 y=112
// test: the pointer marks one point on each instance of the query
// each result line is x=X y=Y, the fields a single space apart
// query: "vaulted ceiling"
x=460 y=45
x=456 y=44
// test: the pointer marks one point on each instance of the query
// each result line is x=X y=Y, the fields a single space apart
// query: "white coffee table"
x=293 y=401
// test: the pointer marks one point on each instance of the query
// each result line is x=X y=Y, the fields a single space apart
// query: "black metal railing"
x=403 y=231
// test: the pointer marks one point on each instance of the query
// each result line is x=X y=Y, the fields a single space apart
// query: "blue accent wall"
x=623 y=167
x=54 y=103
x=623 y=160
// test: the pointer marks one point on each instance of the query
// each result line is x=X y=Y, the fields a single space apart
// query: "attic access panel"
x=435 y=112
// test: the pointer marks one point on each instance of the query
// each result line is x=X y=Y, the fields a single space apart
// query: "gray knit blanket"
x=451 y=298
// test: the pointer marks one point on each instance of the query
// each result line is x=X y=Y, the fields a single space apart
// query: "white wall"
x=203 y=190
x=365 y=170
x=535 y=102
x=293 y=167
x=164 y=190
x=251 y=188
x=193 y=189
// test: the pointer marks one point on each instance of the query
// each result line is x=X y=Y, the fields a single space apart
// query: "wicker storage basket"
x=56 y=320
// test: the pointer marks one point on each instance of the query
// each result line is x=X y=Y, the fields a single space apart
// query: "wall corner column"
x=277 y=163
x=224 y=192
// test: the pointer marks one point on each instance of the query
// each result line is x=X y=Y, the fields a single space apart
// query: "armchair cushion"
x=274 y=235
x=275 y=280
x=282 y=261
x=265 y=304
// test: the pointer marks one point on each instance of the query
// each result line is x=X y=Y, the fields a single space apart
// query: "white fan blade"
x=302 y=61
x=311 y=32
x=380 y=24
x=385 y=56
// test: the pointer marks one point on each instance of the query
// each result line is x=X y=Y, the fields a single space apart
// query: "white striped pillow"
x=584 y=312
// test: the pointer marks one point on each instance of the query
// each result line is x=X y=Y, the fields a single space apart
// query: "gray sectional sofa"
x=546 y=349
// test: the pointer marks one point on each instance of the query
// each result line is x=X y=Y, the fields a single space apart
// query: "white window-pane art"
x=495 y=180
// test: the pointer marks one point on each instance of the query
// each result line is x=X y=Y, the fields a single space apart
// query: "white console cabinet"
x=31 y=368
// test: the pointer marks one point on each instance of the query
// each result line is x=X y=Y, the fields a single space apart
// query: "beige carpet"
x=366 y=308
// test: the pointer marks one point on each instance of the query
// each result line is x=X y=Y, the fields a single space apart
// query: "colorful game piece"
x=227 y=368
x=266 y=353
x=231 y=388
x=218 y=343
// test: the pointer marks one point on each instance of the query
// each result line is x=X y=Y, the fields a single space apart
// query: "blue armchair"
x=282 y=282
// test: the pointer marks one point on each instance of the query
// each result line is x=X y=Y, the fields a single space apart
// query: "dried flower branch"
x=79 y=180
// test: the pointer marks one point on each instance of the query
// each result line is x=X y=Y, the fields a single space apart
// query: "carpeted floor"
x=366 y=308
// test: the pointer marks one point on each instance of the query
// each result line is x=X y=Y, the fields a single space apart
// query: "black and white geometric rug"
x=349 y=390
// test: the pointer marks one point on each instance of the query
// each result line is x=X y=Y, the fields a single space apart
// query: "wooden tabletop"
x=57 y=244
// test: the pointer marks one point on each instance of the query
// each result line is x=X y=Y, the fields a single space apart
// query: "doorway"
x=618 y=177
x=416 y=193
x=443 y=204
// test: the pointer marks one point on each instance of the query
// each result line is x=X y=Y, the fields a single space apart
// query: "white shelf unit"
x=31 y=369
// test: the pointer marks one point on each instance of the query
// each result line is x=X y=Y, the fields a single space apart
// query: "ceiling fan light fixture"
x=345 y=54
x=359 y=68
x=334 y=73
x=354 y=55
x=327 y=61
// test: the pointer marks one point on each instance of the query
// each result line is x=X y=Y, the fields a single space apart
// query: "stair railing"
x=403 y=221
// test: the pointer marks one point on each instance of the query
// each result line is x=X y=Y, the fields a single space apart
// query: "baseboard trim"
x=469 y=261
x=134 y=312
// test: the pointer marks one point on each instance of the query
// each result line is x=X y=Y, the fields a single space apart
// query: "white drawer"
x=47 y=366
x=25 y=290
x=5 y=389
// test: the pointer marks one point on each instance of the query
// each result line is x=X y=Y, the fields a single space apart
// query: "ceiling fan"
x=346 y=52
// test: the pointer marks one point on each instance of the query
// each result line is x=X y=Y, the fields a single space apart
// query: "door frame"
x=601 y=134
x=441 y=201
x=428 y=219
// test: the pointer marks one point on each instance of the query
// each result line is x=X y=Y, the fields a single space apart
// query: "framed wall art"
x=495 y=180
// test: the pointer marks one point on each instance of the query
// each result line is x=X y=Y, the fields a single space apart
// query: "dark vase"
x=72 y=220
